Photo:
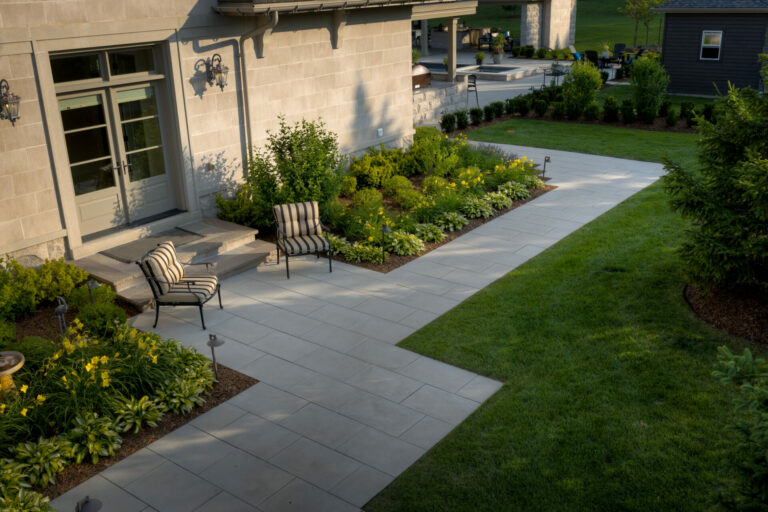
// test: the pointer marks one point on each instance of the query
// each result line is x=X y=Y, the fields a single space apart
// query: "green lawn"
x=608 y=402
x=621 y=92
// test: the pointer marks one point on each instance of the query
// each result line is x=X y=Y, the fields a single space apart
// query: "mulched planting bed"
x=735 y=310
x=393 y=260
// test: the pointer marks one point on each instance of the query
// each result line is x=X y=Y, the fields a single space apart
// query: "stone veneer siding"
x=430 y=103
x=363 y=85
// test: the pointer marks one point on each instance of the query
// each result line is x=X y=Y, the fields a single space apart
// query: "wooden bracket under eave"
x=337 y=25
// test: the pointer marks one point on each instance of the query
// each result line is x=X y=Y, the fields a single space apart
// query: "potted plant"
x=497 y=48
x=606 y=53
x=479 y=58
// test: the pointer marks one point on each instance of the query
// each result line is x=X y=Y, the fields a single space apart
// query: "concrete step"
x=226 y=264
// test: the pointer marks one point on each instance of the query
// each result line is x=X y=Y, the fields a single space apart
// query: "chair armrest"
x=323 y=226
x=208 y=266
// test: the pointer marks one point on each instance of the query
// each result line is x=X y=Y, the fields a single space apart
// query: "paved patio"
x=340 y=411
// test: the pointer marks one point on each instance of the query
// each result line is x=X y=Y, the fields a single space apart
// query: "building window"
x=711 y=41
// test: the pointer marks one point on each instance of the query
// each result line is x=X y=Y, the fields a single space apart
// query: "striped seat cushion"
x=162 y=264
x=306 y=244
x=298 y=219
x=191 y=290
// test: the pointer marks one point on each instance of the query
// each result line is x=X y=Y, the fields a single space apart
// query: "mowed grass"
x=608 y=401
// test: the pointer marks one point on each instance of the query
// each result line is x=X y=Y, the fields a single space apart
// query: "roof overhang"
x=427 y=8
x=711 y=10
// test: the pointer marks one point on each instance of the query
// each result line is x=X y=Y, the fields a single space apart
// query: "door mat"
x=133 y=251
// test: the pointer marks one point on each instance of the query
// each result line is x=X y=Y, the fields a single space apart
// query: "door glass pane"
x=135 y=60
x=81 y=112
x=87 y=144
x=93 y=176
x=146 y=164
x=136 y=103
x=141 y=134
x=67 y=68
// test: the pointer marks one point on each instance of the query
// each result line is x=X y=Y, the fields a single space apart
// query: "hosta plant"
x=430 y=233
x=358 y=252
x=530 y=181
x=339 y=244
x=181 y=395
x=514 y=190
x=498 y=200
x=132 y=414
x=24 y=500
x=44 y=459
x=95 y=436
x=451 y=221
x=476 y=207
x=13 y=476
x=403 y=244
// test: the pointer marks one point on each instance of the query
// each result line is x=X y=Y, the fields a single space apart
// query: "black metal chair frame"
x=154 y=285
x=472 y=86
x=280 y=244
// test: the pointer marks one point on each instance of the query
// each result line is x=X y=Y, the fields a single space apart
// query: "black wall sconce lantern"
x=217 y=72
x=9 y=103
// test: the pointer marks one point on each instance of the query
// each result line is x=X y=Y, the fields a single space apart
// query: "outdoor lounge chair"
x=576 y=55
x=618 y=53
x=171 y=287
x=299 y=231
x=591 y=56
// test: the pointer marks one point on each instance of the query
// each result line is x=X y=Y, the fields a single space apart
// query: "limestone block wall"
x=548 y=24
x=530 y=24
x=430 y=103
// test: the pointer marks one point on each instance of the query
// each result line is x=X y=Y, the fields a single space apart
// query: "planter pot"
x=605 y=55
x=497 y=58
x=479 y=62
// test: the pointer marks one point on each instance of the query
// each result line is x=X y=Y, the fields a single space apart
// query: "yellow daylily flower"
x=40 y=399
x=24 y=388
x=24 y=411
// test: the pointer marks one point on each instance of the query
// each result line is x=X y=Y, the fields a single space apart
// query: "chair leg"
x=218 y=290
x=278 y=254
x=287 y=270
x=330 y=261
x=157 y=314
x=201 y=316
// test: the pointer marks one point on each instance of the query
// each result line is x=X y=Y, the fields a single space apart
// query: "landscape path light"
x=214 y=342
x=384 y=230
x=59 y=312
x=88 y=504
x=92 y=285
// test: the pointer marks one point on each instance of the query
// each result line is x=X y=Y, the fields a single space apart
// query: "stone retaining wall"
x=432 y=102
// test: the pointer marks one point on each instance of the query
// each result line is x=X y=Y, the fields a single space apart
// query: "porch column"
x=424 y=38
x=452 y=26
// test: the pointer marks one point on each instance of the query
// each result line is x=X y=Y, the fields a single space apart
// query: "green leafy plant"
x=461 y=119
x=580 y=87
x=664 y=107
x=498 y=108
x=395 y=183
x=515 y=51
x=628 y=113
x=24 y=500
x=348 y=185
x=367 y=196
x=339 y=244
x=430 y=233
x=687 y=110
x=542 y=53
x=515 y=191
x=528 y=51
x=649 y=84
x=480 y=56
x=80 y=296
x=133 y=414
x=359 y=252
x=451 y=221
x=476 y=116
x=592 y=112
x=12 y=477
x=375 y=166
x=540 y=106
x=99 y=318
x=488 y=113
x=510 y=106
x=558 y=110
x=299 y=163
x=611 y=110
x=403 y=244
x=407 y=198
x=671 y=117
x=497 y=44
x=530 y=181
x=448 y=122
x=523 y=106
x=415 y=56
x=498 y=200
x=44 y=459
x=94 y=436
x=7 y=332
x=181 y=395
x=430 y=154
x=477 y=207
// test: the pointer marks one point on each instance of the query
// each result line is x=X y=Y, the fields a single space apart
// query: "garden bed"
x=734 y=310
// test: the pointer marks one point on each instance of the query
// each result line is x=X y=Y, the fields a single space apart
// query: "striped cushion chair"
x=299 y=231
x=170 y=286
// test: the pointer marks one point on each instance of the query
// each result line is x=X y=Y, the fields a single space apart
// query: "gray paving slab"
x=102 y=489
x=339 y=410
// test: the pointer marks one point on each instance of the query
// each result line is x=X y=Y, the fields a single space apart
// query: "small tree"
x=580 y=87
x=649 y=81
x=728 y=197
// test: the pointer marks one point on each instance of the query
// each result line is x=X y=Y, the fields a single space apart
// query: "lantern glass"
x=221 y=76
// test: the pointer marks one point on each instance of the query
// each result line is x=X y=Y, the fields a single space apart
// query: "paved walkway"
x=340 y=411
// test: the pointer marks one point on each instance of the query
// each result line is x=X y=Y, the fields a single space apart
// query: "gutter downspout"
x=258 y=31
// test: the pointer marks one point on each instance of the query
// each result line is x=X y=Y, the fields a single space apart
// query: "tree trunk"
x=634 y=43
x=647 y=29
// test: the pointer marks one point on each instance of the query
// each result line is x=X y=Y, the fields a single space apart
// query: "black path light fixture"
x=547 y=159
x=217 y=72
x=384 y=230
x=9 y=103
x=214 y=342
x=92 y=285
x=59 y=312
x=88 y=504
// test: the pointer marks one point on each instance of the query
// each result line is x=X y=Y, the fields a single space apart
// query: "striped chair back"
x=162 y=263
x=298 y=219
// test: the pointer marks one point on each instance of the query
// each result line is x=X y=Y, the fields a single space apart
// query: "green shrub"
x=57 y=278
x=498 y=200
x=592 y=112
x=358 y=252
x=430 y=233
x=339 y=244
x=671 y=117
x=373 y=168
x=81 y=296
x=687 y=110
x=99 y=318
x=530 y=181
x=664 y=108
x=498 y=108
x=580 y=87
x=133 y=414
x=433 y=184
x=430 y=154
x=299 y=163
x=448 y=122
x=24 y=500
x=476 y=116
x=181 y=395
x=348 y=185
x=451 y=221
x=515 y=51
x=407 y=198
x=709 y=112
x=604 y=75
x=510 y=106
x=367 y=196
x=395 y=183
x=43 y=460
x=558 y=110
x=470 y=180
x=476 y=207
x=461 y=119
x=727 y=198
x=540 y=107
x=7 y=332
x=611 y=110
x=528 y=51
x=488 y=113
x=542 y=53
x=627 y=111
x=403 y=244
x=649 y=84
x=415 y=56
x=514 y=190
x=523 y=106
x=95 y=437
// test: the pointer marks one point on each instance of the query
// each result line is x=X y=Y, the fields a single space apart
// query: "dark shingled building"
x=709 y=43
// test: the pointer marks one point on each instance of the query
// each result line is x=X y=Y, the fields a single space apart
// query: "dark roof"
x=713 y=6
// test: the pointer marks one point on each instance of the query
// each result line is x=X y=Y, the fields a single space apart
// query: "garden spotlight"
x=214 y=342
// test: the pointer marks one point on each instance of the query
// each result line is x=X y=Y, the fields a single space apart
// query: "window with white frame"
x=711 y=41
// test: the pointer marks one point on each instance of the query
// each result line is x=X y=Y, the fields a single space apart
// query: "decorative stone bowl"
x=10 y=363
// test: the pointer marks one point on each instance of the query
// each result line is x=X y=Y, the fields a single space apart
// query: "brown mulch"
x=735 y=310
x=393 y=260
x=230 y=384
